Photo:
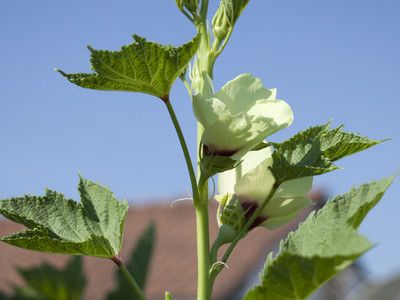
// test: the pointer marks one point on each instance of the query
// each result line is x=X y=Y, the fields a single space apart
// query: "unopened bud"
x=220 y=23
x=226 y=16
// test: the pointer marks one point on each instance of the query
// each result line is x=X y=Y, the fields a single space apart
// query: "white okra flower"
x=238 y=117
x=252 y=182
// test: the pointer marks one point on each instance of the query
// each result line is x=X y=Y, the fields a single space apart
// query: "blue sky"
x=334 y=60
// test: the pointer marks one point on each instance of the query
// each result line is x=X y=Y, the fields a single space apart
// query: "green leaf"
x=352 y=207
x=138 y=265
x=323 y=245
x=313 y=151
x=142 y=66
x=47 y=282
x=337 y=144
x=55 y=224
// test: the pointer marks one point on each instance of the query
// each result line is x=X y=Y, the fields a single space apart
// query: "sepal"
x=230 y=213
x=212 y=165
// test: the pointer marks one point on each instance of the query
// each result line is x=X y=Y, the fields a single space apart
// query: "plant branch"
x=242 y=233
x=185 y=151
x=218 y=50
x=186 y=14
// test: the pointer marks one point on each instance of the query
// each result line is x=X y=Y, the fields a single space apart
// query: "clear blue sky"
x=328 y=59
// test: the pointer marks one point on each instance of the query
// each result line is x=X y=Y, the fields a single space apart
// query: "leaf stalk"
x=129 y=278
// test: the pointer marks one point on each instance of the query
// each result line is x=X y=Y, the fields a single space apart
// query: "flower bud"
x=226 y=16
x=220 y=23
x=230 y=213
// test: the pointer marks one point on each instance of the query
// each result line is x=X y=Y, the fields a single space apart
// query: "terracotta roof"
x=173 y=266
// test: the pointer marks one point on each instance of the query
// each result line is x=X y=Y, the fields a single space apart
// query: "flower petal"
x=277 y=113
x=268 y=117
x=227 y=179
x=275 y=222
x=227 y=134
x=242 y=92
x=278 y=207
x=255 y=184
x=281 y=211
x=226 y=182
x=208 y=110
x=294 y=188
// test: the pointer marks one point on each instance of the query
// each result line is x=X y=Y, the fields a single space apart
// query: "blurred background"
x=334 y=60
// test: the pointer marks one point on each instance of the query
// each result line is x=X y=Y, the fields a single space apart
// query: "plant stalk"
x=203 y=252
x=243 y=232
x=200 y=201
x=185 y=151
x=132 y=282
x=129 y=278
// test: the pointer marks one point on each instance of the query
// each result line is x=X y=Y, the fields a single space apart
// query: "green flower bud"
x=226 y=16
x=230 y=213
x=220 y=23
x=226 y=234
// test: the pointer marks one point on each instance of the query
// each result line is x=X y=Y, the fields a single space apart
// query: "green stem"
x=187 y=15
x=168 y=296
x=217 y=48
x=200 y=200
x=185 y=151
x=200 y=131
x=204 y=10
x=203 y=253
x=129 y=278
x=243 y=232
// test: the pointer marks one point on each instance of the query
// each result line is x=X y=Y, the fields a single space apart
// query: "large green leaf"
x=142 y=66
x=323 y=245
x=50 y=283
x=313 y=151
x=138 y=265
x=55 y=224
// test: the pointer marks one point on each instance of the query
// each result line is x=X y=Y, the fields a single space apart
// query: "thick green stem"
x=203 y=253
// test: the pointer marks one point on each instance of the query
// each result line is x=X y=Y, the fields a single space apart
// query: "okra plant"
x=261 y=183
